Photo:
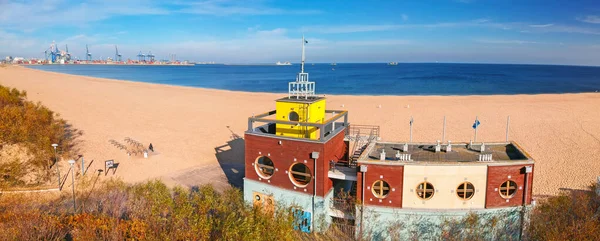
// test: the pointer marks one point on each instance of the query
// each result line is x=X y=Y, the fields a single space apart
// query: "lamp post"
x=71 y=162
x=56 y=163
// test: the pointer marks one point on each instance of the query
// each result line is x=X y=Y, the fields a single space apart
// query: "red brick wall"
x=498 y=175
x=283 y=157
x=393 y=175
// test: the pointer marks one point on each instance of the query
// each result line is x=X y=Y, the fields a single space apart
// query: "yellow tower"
x=301 y=105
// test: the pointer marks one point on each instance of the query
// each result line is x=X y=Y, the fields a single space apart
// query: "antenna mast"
x=303 y=58
x=301 y=88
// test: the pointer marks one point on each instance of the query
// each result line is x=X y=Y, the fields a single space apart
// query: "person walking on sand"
x=151 y=147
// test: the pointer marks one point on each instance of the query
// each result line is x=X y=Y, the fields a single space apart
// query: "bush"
x=147 y=211
x=35 y=127
x=569 y=216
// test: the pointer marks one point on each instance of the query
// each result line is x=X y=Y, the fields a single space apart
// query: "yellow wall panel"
x=307 y=112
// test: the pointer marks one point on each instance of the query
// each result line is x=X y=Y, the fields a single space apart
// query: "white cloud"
x=31 y=14
x=372 y=43
x=477 y=23
x=504 y=41
x=229 y=7
x=39 y=14
x=541 y=25
x=356 y=28
x=558 y=28
x=13 y=44
x=590 y=19
x=273 y=32
x=349 y=28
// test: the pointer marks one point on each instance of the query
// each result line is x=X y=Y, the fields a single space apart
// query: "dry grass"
x=150 y=211
x=115 y=210
x=33 y=127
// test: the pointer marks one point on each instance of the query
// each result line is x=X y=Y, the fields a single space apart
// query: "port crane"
x=141 y=57
x=52 y=53
x=150 y=56
x=67 y=54
x=117 y=54
x=88 y=55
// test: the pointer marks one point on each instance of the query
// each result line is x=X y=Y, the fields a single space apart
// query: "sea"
x=361 y=79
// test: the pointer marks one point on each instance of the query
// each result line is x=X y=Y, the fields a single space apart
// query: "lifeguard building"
x=335 y=173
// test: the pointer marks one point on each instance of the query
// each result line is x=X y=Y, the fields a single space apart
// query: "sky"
x=267 y=31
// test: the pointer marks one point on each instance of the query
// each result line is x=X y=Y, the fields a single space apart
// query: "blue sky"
x=481 y=31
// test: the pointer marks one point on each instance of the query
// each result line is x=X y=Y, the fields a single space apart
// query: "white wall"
x=445 y=180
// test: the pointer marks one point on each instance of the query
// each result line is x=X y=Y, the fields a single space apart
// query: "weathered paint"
x=384 y=223
x=284 y=198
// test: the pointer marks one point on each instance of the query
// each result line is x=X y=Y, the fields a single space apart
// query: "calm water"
x=362 y=79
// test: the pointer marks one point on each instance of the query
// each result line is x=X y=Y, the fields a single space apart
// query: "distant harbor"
x=54 y=55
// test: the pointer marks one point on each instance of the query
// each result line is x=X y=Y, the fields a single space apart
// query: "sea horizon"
x=377 y=79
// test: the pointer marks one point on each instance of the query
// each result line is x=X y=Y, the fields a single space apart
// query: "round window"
x=294 y=116
x=264 y=167
x=465 y=191
x=380 y=188
x=300 y=174
x=508 y=189
x=425 y=190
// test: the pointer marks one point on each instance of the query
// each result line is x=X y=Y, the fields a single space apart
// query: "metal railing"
x=347 y=230
x=339 y=114
x=354 y=130
x=361 y=141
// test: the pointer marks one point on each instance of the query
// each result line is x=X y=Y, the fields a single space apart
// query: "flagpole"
x=507 y=127
x=444 y=130
x=411 y=121
x=475 y=140
x=302 y=64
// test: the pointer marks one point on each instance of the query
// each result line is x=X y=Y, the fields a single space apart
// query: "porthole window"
x=508 y=189
x=300 y=174
x=465 y=191
x=294 y=116
x=380 y=189
x=425 y=190
x=264 y=167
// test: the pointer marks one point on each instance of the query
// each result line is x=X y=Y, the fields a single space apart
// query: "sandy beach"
x=186 y=125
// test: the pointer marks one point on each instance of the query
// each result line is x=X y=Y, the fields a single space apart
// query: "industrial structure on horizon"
x=54 y=55
x=337 y=174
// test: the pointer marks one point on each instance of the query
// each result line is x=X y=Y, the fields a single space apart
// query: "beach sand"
x=186 y=125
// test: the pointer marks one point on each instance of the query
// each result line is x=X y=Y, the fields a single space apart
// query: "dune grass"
x=34 y=127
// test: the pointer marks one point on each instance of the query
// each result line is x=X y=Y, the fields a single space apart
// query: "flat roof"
x=460 y=153
x=310 y=99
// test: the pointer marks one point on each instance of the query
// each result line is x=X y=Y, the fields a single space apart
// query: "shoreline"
x=283 y=93
x=191 y=127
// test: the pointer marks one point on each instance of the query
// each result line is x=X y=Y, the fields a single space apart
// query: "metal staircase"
x=358 y=134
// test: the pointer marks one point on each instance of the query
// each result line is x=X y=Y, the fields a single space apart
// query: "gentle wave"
x=361 y=79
